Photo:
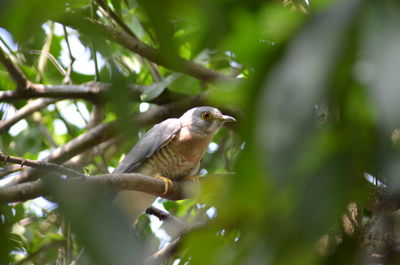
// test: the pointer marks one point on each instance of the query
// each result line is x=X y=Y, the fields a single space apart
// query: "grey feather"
x=154 y=139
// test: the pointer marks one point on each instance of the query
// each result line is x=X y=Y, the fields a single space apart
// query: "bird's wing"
x=154 y=139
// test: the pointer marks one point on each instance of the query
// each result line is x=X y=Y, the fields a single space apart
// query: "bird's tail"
x=133 y=203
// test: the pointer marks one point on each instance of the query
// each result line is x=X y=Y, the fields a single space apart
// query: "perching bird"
x=171 y=150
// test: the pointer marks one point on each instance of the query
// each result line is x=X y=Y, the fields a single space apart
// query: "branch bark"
x=164 y=216
x=40 y=165
x=24 y=112
x=94 y=92
x=173 y=62
x=112 y=182
x=104 y=132
x=91 y=92
x=15 y=72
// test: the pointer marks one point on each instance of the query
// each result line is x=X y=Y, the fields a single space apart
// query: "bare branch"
x=67 y=78
x=92 y=91
x=15 y=72
x=25 y=111
x=164 y=216
x=112 y=182
x=87 y=91
x=40 y=165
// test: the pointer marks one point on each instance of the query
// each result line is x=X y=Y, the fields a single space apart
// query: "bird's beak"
x=226 y=118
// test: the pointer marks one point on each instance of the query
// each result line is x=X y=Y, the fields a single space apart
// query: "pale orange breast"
x=178 y=158
x=190 y=147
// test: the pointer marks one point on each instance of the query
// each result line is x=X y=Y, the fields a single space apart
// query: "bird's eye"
x=206 y=115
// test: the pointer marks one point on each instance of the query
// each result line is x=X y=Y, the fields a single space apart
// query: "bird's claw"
x=195 y=179
x=167 y=183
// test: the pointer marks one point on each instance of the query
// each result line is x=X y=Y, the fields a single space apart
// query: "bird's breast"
x=180 y=157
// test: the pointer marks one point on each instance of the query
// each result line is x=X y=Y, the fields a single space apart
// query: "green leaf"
x=117 y=6
x=155 y=89
x=28 y=142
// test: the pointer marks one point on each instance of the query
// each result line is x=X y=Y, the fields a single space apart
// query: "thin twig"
x=8 y=47
x=68 y=79
x=58 y=66
x=93 y=49
x=164 y=216
x=40 y=165
x=107 y=11
x=44 y=53
x=26 y=110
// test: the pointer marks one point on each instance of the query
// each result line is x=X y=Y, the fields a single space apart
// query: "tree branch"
x=172 y=62
x=40 y=165
x=110 y=13
x=92 y=91
x=106 y=131
x=112 y=182
x=164 y=216
x=24 y=112
x=15 y=72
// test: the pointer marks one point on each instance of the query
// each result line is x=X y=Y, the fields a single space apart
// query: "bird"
x=170 y=150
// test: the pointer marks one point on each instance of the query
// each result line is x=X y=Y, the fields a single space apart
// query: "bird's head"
x=204 y=120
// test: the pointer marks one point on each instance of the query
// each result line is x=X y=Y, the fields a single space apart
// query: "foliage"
x=315 y=91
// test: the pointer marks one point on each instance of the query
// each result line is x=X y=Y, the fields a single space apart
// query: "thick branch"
x=111 y=182
x=24 y=112
x=15 y=72
x=172 y=62
x=106 y=131
x=85 y=91
x=93 y=91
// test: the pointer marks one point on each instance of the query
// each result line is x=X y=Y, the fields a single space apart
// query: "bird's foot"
x=195 y=179
x=167 y=183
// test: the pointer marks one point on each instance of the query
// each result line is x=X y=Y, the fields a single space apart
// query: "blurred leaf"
x=105 y=234
x=28 y=142
x=5 y=81
x=155 y=89
x=18 y=19
x=117 y=6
